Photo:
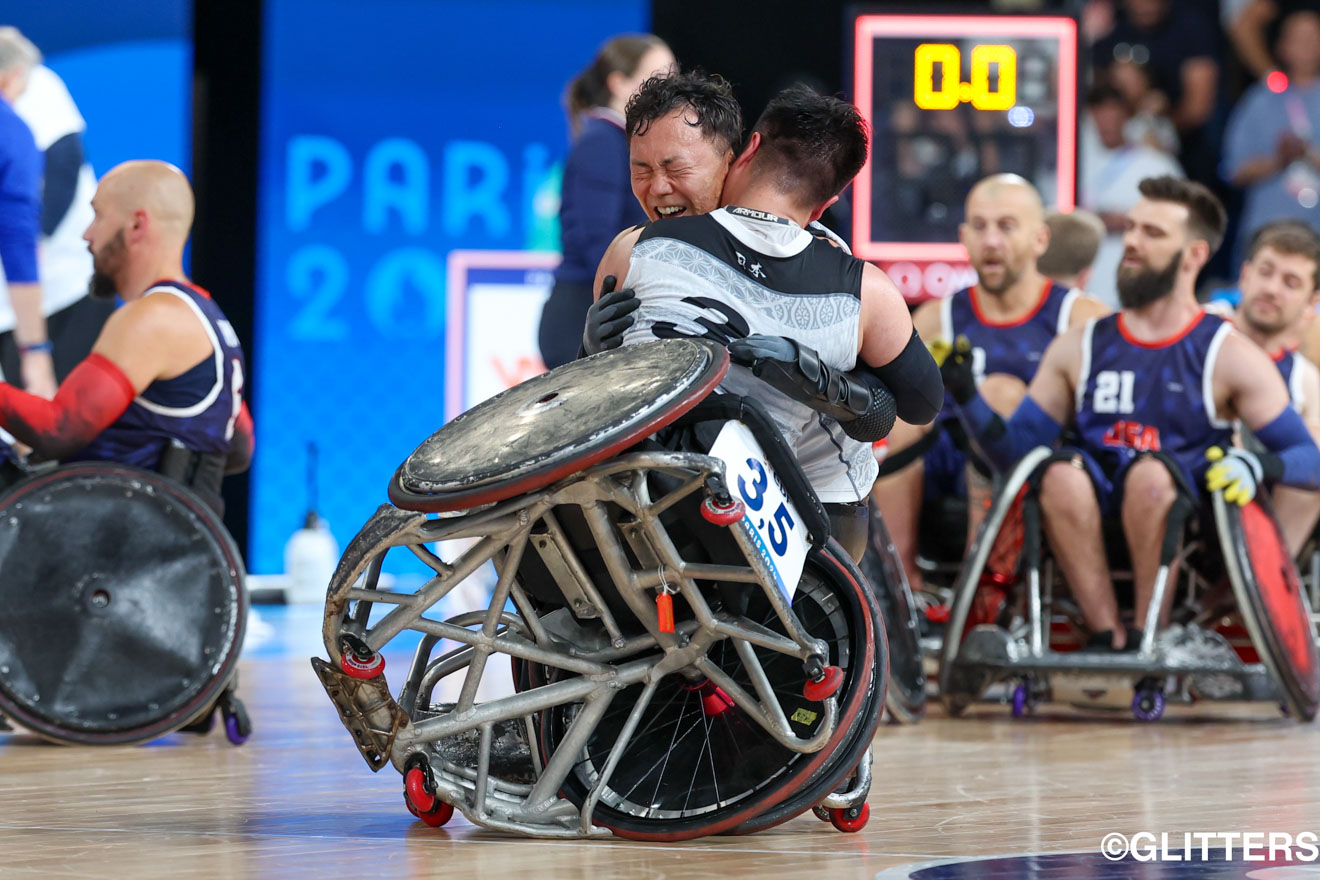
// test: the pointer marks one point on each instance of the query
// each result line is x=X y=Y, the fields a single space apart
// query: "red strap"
x=95 y=394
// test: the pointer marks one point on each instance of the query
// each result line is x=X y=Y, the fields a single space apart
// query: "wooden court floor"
x=297 y=800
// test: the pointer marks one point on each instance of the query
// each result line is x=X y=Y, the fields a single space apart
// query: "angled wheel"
x=578 y=420
x=1270 y=598
x=906 y=696
x=688 y=772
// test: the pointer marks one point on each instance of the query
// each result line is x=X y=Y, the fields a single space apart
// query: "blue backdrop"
x=393 y=131
x=128 y=67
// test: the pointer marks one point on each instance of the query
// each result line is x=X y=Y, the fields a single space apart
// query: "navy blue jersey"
x=1135 y=397
x=198 y=408
x=1286 y=360
x=1013 y=347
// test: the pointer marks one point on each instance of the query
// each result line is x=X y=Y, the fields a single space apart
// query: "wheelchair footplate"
x=358 y=700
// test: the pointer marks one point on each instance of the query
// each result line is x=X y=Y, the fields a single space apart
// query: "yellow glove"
x=1236 y=471
x=955 y=363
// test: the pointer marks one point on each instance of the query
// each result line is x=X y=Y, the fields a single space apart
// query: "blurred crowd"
x=1226 y=92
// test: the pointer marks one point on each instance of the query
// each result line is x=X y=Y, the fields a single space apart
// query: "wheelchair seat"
x=667 y=682
x=1243 y=624
x=125 y=607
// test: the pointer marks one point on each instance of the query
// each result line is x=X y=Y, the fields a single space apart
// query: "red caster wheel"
x=828 y=686
x=721 y=515
x=852 y=820
x=420 y=800
x=442 y=813
x=422 y=803
x=358 y=668
x=821 y=813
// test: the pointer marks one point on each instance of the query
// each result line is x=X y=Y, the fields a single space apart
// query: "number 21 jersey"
x=1135 y=396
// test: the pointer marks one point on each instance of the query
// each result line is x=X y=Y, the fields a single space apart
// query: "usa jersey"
x=1012 y=347
x=1292 y=377
x=1135 y=397
x=198 y=408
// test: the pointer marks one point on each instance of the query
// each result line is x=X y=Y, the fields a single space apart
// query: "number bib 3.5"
x=770 y=520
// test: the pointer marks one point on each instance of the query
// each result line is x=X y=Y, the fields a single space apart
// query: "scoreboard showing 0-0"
x=952 y=99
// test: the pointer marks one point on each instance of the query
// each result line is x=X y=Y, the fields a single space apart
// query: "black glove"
x=608 y=317
x=955 y=363
x=857 y=400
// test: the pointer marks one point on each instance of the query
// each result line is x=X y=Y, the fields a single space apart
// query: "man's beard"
x=1010 y=278
x=105 y=265
x=1265 y=327
x=1145 y=285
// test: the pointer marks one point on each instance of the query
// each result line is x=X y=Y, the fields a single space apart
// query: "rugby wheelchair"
x=1241 y=622
x=690 y=652
x=125 y=602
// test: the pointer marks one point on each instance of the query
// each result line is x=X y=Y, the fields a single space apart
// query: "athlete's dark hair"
x=708 y=96
x=1292 y=237
x=1206 y=218
x=590 y=88
x=813 y=144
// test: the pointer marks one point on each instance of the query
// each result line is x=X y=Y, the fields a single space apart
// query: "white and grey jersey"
x=738 y=272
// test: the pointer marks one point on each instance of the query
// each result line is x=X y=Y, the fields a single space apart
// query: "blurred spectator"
x=1177 y=43
x=1111 y=168
x=598 y=201
x=1270 y=147
x=1074 y=241
x=73 y=316
x=1149 y=123
x=1255 y=25
x=20 y=215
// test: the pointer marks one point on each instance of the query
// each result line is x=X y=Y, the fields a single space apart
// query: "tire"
x=666 y=789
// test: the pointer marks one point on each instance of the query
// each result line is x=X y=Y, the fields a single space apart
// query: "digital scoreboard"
x=952 y=99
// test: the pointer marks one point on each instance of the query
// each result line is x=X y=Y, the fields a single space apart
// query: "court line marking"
x=520 y=841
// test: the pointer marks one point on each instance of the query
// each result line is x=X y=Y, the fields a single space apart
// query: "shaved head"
x=1009 y=190
x=158 y=188
x=141 y=215
x=1004 y=232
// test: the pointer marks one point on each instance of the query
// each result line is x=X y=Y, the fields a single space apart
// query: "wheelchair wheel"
x=696 y=766
x=853 y=749
x=579 y=420
x=956 y=690
x=133 y=633
x=1273 y=606
x=905 y=697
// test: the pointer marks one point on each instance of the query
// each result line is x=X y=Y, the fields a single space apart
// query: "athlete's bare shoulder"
x=618 y=258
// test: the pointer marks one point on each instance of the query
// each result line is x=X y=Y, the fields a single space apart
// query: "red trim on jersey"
x=197 y=288
x=1160 y=343
x=975 y=291
x=1282 y=352
x=89 y=400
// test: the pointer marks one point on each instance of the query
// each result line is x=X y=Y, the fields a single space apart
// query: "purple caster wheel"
x=238 y=726
x=1021 y=700
x=1148 y=704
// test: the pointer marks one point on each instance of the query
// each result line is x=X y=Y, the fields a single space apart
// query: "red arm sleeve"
x=95 y=394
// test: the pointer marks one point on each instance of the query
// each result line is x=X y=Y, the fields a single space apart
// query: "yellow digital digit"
x=1005 y=94
x=924 y=93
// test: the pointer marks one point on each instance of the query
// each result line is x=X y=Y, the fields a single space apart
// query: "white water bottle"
x=310 y=558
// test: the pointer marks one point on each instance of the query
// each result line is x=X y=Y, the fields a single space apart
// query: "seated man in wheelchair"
x=152 y=623
x=1280 y=285
x=163 y=386
x=1152 y=392
x=794 y=310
